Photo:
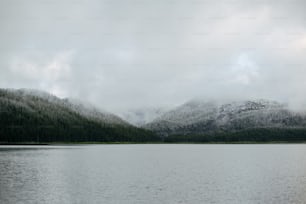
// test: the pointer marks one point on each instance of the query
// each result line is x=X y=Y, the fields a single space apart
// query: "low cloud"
x=122 y=55
x=37 y=73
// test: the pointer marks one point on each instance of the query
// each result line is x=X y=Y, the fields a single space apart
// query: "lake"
x=157 y=173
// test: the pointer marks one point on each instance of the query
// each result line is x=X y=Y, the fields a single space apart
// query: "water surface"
x=153 y=174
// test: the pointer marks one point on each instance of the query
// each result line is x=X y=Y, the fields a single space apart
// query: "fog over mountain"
x=142 y=116
x=124 y=54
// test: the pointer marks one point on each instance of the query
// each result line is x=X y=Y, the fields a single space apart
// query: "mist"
x=128 y=54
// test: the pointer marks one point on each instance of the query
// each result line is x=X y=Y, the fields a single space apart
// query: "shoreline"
x=151 y=143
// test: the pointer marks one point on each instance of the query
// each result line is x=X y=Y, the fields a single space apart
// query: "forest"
x=255 y=135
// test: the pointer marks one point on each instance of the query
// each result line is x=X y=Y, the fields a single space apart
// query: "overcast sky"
x=123 y=54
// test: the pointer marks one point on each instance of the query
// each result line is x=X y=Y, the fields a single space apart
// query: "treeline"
x=84 y=133
x=23 y=126
x=250 y=135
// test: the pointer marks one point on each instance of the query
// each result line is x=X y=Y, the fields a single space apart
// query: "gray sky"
x=123 y=54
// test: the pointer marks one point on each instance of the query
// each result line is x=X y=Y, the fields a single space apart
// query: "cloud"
x=46 y=74
x=244 y=71
x=128 y=54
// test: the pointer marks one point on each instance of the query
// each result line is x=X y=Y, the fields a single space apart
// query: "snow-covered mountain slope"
x=197 y=117
x=139 y=117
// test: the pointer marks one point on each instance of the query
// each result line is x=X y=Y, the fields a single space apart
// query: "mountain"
x=142 y=116
x=36 y=116
x=32 y=116
x=201 y=117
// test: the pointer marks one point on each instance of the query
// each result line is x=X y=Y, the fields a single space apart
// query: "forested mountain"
x=35 y=116
x=200 y=117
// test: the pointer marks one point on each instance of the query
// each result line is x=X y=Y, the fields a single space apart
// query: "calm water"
x=153 y=174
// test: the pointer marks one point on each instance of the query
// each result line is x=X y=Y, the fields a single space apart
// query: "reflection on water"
x=153 y=174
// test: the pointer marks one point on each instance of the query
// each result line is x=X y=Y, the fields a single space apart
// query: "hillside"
x=200 y=117
x=35 y=116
